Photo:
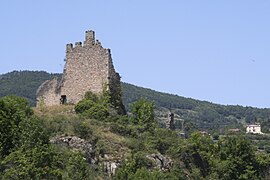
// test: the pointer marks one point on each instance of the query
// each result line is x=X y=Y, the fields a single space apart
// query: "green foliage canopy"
x=25 y=149
x=93 y=106
x=143 y=113
x=13 y=111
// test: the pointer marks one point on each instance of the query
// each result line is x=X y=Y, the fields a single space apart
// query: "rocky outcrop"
x=160 y=162
x=77 y=144
x=108 y=162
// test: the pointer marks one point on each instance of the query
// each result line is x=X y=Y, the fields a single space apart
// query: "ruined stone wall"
x=88 y=67
x=47 y=93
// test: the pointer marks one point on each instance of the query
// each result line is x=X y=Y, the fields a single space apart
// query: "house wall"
x=255 y=129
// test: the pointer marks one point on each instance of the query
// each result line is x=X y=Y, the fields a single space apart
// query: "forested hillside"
x=196 y=114
x=94 y=142
x=90 y=140
x=23 y=83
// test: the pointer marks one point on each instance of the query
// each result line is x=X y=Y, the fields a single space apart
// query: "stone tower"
x=170 y=121
x=88 y=67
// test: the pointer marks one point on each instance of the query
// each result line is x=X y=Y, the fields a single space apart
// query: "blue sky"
x=209 y=50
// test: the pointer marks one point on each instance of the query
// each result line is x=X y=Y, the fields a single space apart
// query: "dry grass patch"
x=54 y=110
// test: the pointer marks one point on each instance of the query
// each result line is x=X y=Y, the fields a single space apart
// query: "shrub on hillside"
x=97 y=111
x=82 y=130
x=83 y=106
x=93 y=107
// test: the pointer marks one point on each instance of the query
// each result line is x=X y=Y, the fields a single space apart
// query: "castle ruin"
x=88 y=67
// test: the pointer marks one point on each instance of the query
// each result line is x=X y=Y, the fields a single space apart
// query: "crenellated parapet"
x=90 y=42
x=69 y=47
x=78 y=44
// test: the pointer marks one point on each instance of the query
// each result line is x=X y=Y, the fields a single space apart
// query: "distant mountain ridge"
x=197 y=114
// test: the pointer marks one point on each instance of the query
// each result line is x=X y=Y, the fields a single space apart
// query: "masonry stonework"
x=88 y=67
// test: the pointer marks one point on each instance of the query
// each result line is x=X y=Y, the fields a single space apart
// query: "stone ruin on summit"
x=88 y=67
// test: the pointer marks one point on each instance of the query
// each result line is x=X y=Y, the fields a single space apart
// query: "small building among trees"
x=254 y=128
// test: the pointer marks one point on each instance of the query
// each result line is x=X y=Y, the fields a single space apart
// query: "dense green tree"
x=143 y=113
x=237 y=159
x=201 y=148
x=90 y=99
x=44 y=162
x=84 y=105
x=25 y=149
x=263 y=165
x=97 y=111
x=39 y=162
x=32 y=133
x=13 y=110
x=76 y=167
x=93 y=107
